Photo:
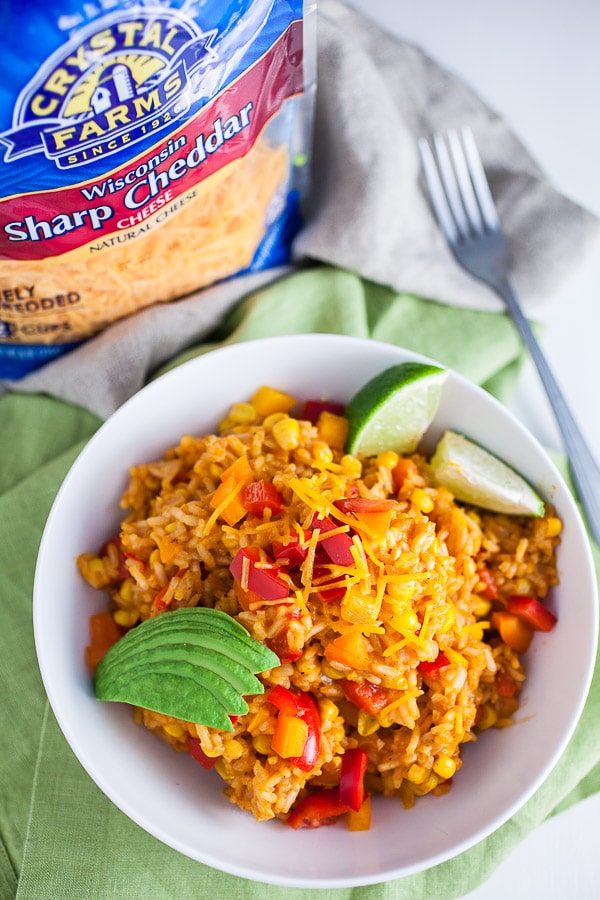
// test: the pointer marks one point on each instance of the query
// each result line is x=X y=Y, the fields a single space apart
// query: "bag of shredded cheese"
x=147 y=150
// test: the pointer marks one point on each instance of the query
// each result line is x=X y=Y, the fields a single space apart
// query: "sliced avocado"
x=182 y=699
x=202 y=679
x=192 y=664
x=197 y=655
x=250 y=654
x=205 y=627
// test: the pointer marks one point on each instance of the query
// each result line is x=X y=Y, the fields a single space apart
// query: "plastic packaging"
x=146 y=151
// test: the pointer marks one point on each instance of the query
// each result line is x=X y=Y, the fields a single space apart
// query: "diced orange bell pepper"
x=267 y=400
x=168 y=549
x=291 y=734
x=240 y=471
x=234 y=509
x=104 y=633
x=402 y=470
x=350 y=649
x=233 y=480
x=333 y=429
x=515 y=633
x=359 y=607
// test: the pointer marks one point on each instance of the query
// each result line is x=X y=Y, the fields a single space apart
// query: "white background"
x=537 y=63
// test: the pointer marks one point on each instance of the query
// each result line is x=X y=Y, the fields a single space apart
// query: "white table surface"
x=537 y=63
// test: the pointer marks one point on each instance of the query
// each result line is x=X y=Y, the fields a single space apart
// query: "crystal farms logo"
x=113 y=84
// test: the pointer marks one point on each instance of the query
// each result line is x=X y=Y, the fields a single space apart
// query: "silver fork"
x=468 y=218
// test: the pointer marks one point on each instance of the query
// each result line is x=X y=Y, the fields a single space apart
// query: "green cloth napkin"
x=60 y=836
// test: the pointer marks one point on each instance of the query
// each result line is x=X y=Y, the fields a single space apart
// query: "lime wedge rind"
x=476 y=476
x=393 y=410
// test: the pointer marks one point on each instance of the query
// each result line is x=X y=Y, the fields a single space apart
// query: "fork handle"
x=584 y=469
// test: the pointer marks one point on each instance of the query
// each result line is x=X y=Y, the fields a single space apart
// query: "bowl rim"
x=178 y=373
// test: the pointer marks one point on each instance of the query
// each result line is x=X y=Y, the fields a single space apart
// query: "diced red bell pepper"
x=531 y=611
x=352 y=779
x=487 y=577
x=372 y=698
x=312 y=409
x=319 y=808
x=300 y=705
x=280 y=644
x=322 y=577
x=430 y=668
x=338 y=546
x=195 y=750
x=263 y=579
x=261 y=495
x=505 y=684
x=364 y=505
x=158 y=603
x=293 y=551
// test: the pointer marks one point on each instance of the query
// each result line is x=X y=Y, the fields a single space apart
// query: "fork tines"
x=457 y=185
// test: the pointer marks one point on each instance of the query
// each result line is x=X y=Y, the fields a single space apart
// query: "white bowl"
x=170 y=796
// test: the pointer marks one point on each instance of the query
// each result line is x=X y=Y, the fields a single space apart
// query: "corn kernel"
x=287 y=433
x=93 y=571
x=222 y=769
x=488 y=718
x=422 y=500
x=403 y=593
x=387 y=780
x=154 y=558
x=170 y=528
x=406 y=621
x=328 y=711
x=444 y=766
x=482 y=607
x=351 y=466
x=271 y=420
x=174 y=729
x=215 y=470
x=367 y=724
x=523 y=587
x=417 y=774
x=426 y=786
x=262 y=743
x=232 y=750
x=553 y=526
x=126 y=591
x=122 y=617
x=322 y=453
x=242 y=413
x=387 y=459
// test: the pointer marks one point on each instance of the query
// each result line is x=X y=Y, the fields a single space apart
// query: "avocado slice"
x=194 y=664
x=197 y=655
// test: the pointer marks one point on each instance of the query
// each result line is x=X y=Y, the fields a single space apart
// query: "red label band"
x=49 y=223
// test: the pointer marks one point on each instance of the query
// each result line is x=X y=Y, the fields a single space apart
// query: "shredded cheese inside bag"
x=146 y=151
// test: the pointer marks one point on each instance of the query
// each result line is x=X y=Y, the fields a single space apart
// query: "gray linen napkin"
x=366 y=210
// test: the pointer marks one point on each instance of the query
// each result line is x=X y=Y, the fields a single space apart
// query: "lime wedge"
x=393 y=410
x=475 y=476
